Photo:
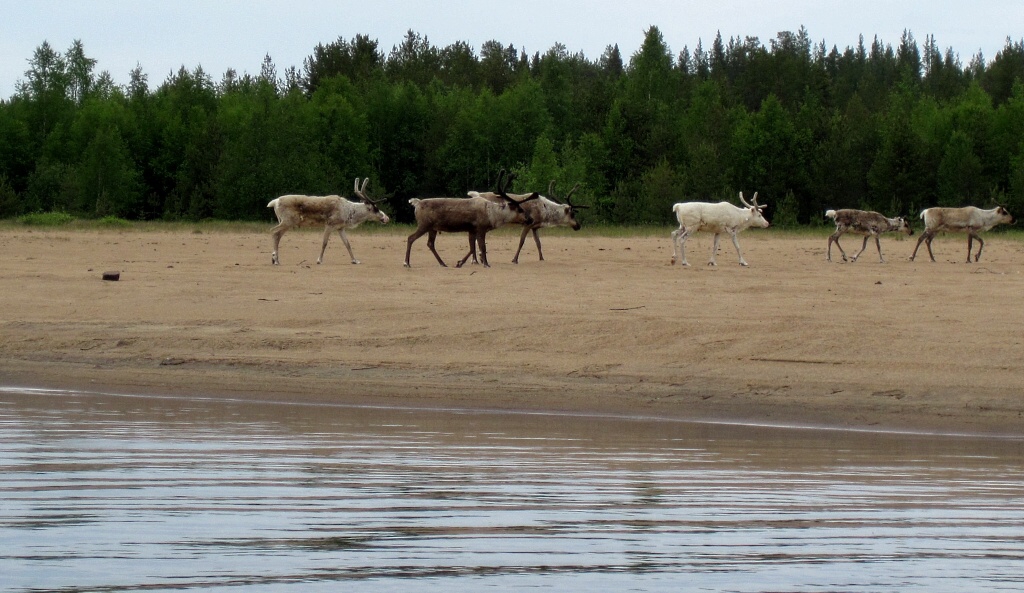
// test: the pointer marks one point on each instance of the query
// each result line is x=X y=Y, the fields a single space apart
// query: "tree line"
x=875 y=126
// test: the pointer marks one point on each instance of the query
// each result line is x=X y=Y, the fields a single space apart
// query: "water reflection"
x=105 y=493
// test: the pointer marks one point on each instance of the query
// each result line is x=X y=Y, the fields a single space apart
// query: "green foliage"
x=786 y=212
x=892 y=129
x=46 y=219
x=113 y=222
x=10 y=204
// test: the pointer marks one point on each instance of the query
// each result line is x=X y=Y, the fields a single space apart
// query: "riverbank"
x=605 y=325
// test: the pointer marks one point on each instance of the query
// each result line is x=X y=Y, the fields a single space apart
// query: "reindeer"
x=334 y=212
x=861 y=222
x=474 y=215
x=545 y=212
x=722 y=217
x=968 y=220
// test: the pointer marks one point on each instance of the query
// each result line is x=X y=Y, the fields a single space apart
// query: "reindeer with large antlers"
x=474 y=215
x=334 y=212
x=722 y=217
x=545 y=212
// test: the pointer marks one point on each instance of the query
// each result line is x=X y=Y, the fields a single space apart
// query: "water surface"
x=113 y=493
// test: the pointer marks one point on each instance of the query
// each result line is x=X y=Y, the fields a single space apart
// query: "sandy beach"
x=604 y=325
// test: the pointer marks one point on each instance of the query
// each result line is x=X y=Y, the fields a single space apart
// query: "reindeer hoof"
x=356 y=261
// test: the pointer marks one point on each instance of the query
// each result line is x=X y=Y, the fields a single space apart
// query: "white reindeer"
x=722 y=217
x=968 y=220
x=334 y=212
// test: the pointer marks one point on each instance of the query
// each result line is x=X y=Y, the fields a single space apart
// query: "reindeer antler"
x=754 y=205
x=508 y=182
x=504 y=181
x=361 y=191
x=569 y=201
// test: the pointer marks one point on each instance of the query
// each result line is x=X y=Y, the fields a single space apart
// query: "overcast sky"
x=222 y=34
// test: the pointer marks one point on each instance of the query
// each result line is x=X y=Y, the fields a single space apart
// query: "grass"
x=45 y=219
x=65 y=221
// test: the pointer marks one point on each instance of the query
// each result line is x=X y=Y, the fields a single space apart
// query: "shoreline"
x=604 y=326
x=405 y=406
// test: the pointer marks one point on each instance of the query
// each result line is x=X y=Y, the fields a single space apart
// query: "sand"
x=603 y=326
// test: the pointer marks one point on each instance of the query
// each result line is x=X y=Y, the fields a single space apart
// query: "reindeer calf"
x=863 y=222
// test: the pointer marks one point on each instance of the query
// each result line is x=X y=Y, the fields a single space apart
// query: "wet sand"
x=605 y=325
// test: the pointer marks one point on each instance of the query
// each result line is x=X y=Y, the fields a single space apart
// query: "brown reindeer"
x=475 y=215
x=863 y=222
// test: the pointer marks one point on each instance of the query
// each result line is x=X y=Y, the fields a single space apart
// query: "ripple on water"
x=101 y=492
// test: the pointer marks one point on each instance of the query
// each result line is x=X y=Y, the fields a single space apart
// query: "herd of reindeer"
x=481 y=212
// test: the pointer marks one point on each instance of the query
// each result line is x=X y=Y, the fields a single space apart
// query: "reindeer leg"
x=536 y=239
x=323 y=248
x=522 y=240
x=408 y=245
x=714 y=251
x=981 y=245
x=482 y=240
x=736 y=243
x=834 y=238
x=878 y=244
x=344 y=239
x=681 y=238
x=923 y=236
x=472 y=251
x=277 y=232
x=928 y=243
x=431 y=236
x=862 y=248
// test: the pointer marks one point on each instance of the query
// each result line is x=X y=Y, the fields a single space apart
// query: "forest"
x=892 y=128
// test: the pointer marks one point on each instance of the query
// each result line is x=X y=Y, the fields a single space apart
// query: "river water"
x=115 y=493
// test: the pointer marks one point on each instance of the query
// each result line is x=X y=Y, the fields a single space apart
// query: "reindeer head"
x=568 y=209
x=1004 y=215
x=902 y=226
x=756 y=212
x=512 y=203
x=371 y=205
